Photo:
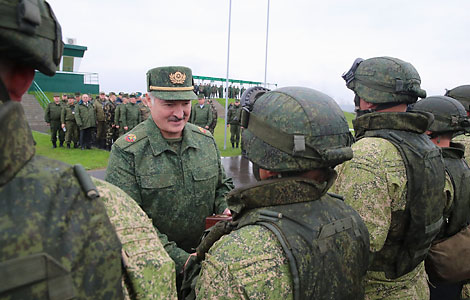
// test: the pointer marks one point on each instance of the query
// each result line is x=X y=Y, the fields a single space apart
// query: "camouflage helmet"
x=31 y=34
x=462 y=94
x=295 y=129
x=449 y=114
x=384 y=80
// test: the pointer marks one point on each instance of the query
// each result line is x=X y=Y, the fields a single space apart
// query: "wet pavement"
x=237 y=167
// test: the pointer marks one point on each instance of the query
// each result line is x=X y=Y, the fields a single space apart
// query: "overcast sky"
x=311 y=43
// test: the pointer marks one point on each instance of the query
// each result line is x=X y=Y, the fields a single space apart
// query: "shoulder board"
x=336 y=196
x=200 y=130
x=131 y=138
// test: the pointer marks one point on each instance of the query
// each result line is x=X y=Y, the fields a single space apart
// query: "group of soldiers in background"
x=210 y=91
x=99 y=122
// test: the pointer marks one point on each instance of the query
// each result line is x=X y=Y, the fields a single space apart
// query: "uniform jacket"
x=201 y=116
x=99 y=109
x=177 y=191
x=52 y=112
x=67 y=114
x=85 y=115
x=130 y=115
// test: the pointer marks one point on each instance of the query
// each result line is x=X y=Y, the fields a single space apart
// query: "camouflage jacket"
x=149 y=273
x=67 y=114
x=61 y=239
x=234 y=115
x=176 y=190
x=109 y=112
x=144 y=112
x=251 y=263
x=374 y=183
x=201 y=116
x=52 y=112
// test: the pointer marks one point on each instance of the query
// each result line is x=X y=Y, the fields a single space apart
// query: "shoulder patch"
x=131 y=138
x=201 y=129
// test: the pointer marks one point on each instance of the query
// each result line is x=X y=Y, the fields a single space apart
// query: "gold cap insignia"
x=177 y=78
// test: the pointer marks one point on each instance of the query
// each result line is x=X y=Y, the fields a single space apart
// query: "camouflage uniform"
x=377 y=182
x=287 y=240
x=67 y=117
x=112 y=133
x=52 y=116
x=194 y=178
x=144 y=112
x=117 y=118
x=59 y=223
x=149 y=271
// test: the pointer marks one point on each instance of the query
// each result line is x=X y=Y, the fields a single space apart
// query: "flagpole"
x=226 y=80
x=266 y=56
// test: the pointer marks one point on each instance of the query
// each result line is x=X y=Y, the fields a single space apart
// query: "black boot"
x=233 y=145
x=68 y=145
x=237 y=145
x=54 y=145
x=75 y=145
x=61 y=144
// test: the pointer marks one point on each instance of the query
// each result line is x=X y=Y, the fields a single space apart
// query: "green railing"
x=40 y=96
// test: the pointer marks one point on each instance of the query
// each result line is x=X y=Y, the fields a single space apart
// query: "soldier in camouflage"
x=396 y=178
x=462 y=94
x=66 y=246
x=290 y=239
x=112 y=133
x=118 y=114
x=52 y=118
x=144 y=108
x=170 y=167
x=450 y=120
x=67 y=118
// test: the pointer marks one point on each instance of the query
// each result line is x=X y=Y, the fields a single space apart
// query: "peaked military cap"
x=171 y=83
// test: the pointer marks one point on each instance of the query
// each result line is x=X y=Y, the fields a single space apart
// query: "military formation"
x=210 y=91
x=383 y=214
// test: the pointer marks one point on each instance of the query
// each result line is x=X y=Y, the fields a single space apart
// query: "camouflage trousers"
x=112 y=134
x=71 y=133
x=56 y=127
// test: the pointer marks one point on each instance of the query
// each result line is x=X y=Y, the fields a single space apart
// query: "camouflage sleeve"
x=149 y=271
x=224 y=186
x=466 y=291
x=191 y=116
x=178 y=255
x=246 y=264
x=121 y=172
x=374 y=184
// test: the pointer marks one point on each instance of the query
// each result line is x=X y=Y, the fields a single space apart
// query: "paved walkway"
x=237 y=167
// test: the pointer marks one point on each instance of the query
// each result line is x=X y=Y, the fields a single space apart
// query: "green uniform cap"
x=171 y=83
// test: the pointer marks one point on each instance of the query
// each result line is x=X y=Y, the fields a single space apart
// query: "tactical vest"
x=412 y=230
x=459 y=173
x=325 y=241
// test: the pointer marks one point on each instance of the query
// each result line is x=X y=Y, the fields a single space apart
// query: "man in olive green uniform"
x=201 y=114
x=64 y=100
x=450 y=119
x=130 y=116
x=52 y=118
x=100 y=120
x=170 y=167
x=233 y=121
x=67 y=118
x=290 y=239
x=86 y=121
x=213 y=124
x=462 y=94
x=396 y=178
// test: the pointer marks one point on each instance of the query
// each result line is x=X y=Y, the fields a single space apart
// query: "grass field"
x=97 y=159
